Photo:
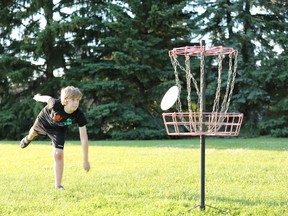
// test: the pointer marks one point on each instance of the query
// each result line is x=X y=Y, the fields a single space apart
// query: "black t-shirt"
x=53 y=116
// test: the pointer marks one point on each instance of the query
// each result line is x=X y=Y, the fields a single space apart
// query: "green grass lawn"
x=159 y=177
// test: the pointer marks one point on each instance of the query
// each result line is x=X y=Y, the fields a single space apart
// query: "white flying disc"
x=169 y=98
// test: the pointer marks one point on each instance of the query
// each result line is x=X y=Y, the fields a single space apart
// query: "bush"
x=275 y=127
x=280 y=132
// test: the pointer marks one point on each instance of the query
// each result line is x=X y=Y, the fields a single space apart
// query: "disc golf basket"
x=195 y=120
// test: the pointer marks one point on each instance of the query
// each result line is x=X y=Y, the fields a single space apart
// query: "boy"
x=53 y=121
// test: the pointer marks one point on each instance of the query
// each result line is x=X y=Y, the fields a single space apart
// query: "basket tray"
x=209 y=124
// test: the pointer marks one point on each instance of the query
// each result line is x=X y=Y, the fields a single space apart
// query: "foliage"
x=124 y=80
x=255 y=29
x=116 y=52
x=276 y=127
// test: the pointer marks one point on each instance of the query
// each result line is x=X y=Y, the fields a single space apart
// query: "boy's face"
x=71 y=104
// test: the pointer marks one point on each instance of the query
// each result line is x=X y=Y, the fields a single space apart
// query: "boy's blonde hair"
x=70 y=92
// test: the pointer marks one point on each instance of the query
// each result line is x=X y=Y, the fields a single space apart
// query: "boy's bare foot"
x=24 y=142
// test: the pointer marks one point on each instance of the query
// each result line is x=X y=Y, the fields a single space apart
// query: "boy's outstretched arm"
x=84 y=143
x=41 y=98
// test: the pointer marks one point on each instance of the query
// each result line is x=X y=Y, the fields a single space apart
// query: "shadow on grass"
x=246 y=203
x=236 y=206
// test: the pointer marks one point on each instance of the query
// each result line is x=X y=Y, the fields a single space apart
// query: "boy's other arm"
x=41 y=98
x=84 y=143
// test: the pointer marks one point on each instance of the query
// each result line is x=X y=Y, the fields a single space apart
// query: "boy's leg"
x=58 y=166
x=27 y=139
x=32 y=134
x=58 y=138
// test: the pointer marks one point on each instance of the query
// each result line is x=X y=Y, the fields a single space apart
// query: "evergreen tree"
x=243 y=26
x=16 y=69
x=136 y=70
x=90 y=62
x=272 y=74
x=36 y=49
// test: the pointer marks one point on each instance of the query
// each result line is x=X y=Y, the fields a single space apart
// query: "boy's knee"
x=58 y=154
x=32 y=134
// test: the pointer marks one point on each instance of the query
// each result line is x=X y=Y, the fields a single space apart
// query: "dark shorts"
x=56 y=135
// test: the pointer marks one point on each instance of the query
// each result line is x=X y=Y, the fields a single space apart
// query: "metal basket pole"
x=202 y=123
x=202 y=137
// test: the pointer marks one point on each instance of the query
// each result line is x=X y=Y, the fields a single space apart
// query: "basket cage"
x=218 y=122
x=207 y=123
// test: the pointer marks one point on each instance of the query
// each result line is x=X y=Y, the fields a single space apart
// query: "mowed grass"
x=160 y=177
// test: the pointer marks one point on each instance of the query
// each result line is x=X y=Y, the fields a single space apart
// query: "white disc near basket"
x=170 y=98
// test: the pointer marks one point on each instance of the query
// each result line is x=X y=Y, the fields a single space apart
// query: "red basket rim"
x=200 y=50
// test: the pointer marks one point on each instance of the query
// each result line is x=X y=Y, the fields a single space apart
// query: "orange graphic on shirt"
x=57 y=117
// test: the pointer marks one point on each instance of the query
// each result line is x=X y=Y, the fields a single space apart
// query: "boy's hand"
x=86 y=166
